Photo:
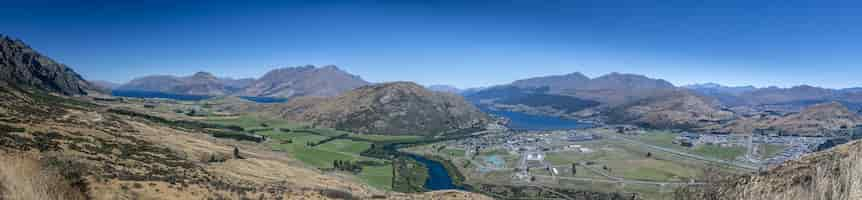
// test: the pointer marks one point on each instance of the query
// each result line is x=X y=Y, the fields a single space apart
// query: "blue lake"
x=265 y=99
x=185 y=97
x=149 y=94
x=523 y=121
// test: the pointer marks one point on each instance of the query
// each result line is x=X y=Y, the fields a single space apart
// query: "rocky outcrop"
x=22 y=66
x=835 y=174
x=304 y=81
x=403 y=108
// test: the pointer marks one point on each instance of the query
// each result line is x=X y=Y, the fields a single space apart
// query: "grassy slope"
x=321 y=156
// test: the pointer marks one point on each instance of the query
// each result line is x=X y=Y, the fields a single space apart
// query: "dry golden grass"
x=23 y=177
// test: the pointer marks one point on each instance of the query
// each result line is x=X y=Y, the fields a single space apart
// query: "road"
x=686 y=154
x=626 y=181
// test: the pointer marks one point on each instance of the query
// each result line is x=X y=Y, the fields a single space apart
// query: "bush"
x=23 y=178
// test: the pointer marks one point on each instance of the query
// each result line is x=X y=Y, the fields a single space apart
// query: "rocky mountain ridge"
x=21 y=65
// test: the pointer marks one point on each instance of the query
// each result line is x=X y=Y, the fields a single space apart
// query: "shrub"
x=24 y=178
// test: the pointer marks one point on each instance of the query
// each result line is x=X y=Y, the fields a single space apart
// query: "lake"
x=149 y=94
x=186 y=97
x=523 y=121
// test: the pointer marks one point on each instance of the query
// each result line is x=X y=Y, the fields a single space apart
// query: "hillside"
x=201 y=83
x=303 y=81
x=676 y=109
x=23 y=66
x=70 y=147
x=818 y=120
x=402 y=108
x=829 y=175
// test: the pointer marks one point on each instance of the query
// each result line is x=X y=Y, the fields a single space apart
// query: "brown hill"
x=819 y=120
x=304 y=81
x=22 y=66
x=674 y=109
x=830 y=175
x=388 y=108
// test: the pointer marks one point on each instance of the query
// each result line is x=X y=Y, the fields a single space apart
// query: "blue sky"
x=462 y=43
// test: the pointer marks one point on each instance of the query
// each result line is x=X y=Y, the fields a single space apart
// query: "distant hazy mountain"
x=674 y=109
x=610 y=89
x=714 y=88
x=825 y=119
x=803 y=95
x=200 y=83
x=556 y=83
x=389 y=108
x=304 y=81
x=530 y=97
x=105 y=84
x=444 y=88
x=22 y=66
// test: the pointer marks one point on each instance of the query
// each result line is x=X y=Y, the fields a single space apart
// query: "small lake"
x=186 y=97
x=523 y=121
x=438 y=178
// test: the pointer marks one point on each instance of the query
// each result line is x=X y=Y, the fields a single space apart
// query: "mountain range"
x=95 y=151
x=57 y=144
x=201 y=83
x=635 y=99
x=283 y=82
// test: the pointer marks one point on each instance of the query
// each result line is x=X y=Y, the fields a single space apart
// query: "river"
x=438 y=178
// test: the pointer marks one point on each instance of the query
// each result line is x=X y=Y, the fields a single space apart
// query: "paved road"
x=621 y=181
x=681 y=153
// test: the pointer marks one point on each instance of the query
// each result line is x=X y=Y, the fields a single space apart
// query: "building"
x=535 y=156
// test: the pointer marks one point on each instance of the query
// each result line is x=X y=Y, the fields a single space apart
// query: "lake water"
x=438 y=178
x=265 y=99
x=523 y=121
x=148 y=94
x=185 y=97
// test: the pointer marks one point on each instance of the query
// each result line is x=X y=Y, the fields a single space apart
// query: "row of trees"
x=346 y=165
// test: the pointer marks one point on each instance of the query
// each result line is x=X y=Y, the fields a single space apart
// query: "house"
x=535 y=156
